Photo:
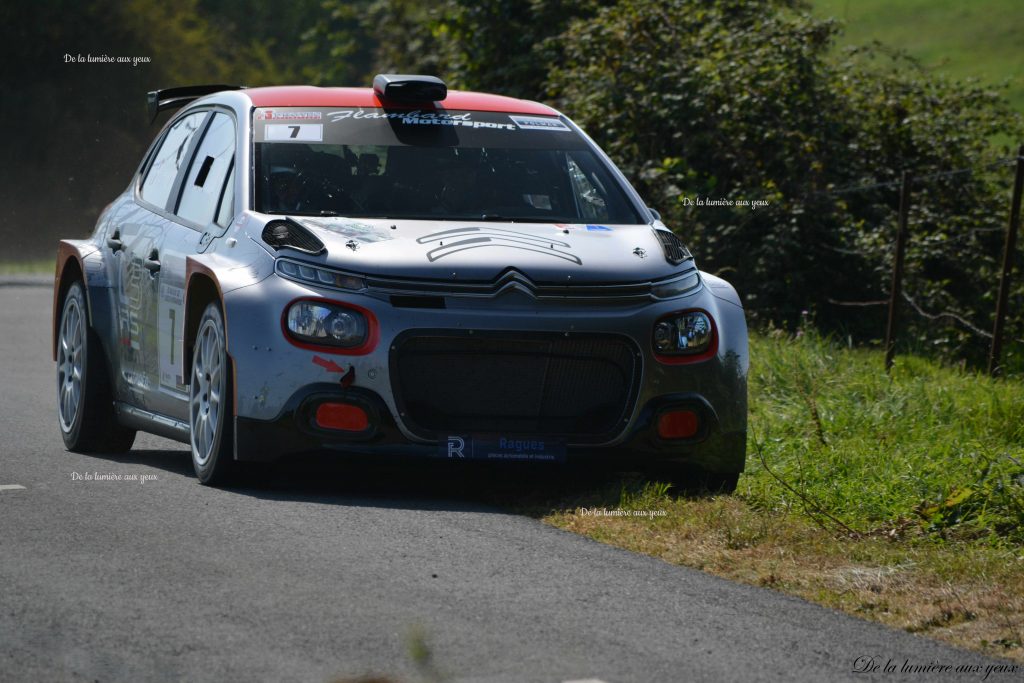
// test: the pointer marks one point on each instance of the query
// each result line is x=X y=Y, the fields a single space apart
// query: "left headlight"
x=684 y=334
x=319 y=322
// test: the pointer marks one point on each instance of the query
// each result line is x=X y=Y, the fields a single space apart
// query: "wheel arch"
x=69 y=269
x=202 y=287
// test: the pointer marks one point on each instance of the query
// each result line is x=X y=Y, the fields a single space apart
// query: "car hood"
x=481 y=251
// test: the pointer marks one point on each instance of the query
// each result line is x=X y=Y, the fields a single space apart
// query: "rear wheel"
x=85 y=403
x=210 y=407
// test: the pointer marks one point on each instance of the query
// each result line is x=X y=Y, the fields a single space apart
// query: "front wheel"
x=85 y=403
x=210 y=408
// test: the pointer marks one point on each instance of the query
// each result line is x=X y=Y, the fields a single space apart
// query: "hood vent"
x=675 y=251
x=292 y=235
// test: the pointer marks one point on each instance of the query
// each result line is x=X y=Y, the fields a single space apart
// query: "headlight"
x=318 y=322
x=684 y=334
x=314 y=275
x=673 y=288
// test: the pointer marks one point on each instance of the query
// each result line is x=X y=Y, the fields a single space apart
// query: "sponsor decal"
x=539 y=123
x=456 y=447
x=362 y=232
x=566 y=227
x=642 y=253
x=521 y=445
x=287 y=115
x=175 y=295
x=496 y=447
x=420 y=118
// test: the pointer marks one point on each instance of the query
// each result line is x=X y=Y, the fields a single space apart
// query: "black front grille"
x=578 y=387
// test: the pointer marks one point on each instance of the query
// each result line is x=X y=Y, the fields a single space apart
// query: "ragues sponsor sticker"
x=500 y=447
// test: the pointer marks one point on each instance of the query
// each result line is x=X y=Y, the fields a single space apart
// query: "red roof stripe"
x=311 y=96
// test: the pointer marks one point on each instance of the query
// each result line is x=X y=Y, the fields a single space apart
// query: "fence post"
x=897 y=271
x=1009 y=251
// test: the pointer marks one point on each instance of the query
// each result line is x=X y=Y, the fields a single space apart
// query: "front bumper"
x=295 y=432
x=280 y=385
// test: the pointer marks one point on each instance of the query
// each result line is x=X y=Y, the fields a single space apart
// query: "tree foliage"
x=504 y=46
x=741 y=101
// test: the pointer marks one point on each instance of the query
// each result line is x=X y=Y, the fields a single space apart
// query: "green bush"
x=742 y=101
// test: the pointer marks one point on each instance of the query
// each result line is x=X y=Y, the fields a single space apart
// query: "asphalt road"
x=326 y=572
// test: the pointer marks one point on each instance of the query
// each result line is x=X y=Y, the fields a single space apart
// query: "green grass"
x=959 y=38
x=935 y=445
x=32 y=267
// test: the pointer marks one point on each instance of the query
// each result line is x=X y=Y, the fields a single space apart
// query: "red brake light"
x=678 y=424
x=343 y=416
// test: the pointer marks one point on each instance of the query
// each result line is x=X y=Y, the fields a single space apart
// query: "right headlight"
x=689 y=333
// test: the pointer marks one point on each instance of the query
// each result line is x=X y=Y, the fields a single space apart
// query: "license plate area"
x=501 y=448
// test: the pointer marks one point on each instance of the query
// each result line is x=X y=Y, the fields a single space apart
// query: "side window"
x=156 y=188
x=204 y=184
x=226 y=210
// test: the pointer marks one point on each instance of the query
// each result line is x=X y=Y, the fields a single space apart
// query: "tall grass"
x=935 y=446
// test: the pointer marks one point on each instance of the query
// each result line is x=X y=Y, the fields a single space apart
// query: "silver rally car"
x=395 y=271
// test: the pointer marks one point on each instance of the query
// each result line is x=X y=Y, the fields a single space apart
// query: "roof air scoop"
x=409 y=88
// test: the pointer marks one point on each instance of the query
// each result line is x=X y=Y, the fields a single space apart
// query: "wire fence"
x=898 y=301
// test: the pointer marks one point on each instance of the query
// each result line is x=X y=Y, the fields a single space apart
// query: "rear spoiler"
x=173 y=98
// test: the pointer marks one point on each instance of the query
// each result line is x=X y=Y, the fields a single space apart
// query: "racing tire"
x=210 y=409
x=85 y=403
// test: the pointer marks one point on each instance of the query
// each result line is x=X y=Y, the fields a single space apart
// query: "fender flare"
x=72 y=256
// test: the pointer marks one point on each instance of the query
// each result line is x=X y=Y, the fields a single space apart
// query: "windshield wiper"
x=497 y=217
x=322 y=212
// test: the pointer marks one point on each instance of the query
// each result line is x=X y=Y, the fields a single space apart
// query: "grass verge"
x=899 y=500
x=31 y=267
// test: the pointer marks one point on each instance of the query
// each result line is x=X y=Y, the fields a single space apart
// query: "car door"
x=143 y=229
x=203 y=210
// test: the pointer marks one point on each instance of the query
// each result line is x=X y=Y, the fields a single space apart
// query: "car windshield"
x=445 y=165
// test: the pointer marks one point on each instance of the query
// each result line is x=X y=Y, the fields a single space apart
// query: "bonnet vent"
x=292 y=235
x=675 y=251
